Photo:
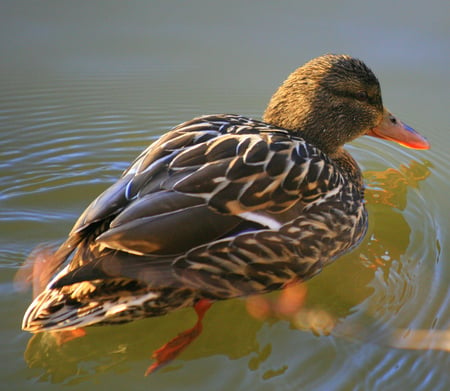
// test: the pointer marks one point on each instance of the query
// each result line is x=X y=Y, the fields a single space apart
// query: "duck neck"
x=347 y=166
x=302 y=120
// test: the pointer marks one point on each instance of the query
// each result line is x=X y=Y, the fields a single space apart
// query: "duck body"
x=221 y=206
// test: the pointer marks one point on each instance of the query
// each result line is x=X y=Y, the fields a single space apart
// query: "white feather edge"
x=262 y=219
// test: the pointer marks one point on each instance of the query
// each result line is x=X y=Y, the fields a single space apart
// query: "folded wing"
x=211 y=179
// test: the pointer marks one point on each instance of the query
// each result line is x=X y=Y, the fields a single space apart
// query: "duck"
x=224 y=206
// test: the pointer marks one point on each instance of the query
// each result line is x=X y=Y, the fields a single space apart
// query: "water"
x=85 y=87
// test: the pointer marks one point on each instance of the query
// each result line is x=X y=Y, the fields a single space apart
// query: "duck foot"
x=289 y=303
x=168 y=352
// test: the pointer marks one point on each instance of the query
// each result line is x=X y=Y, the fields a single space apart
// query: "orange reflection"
x=389 y=187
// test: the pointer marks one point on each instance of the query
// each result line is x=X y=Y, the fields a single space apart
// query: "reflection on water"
x=389 y=187
x=363 y=314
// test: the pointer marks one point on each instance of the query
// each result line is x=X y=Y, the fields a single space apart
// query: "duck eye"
x=362 y=96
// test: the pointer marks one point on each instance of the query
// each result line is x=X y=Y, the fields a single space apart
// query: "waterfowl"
x=225 y=206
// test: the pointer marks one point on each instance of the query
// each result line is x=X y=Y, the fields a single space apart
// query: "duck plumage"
x=225 y=206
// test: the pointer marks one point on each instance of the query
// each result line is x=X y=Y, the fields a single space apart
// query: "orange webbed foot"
x=169 y=351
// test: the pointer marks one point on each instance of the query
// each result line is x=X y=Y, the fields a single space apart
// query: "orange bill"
x=390 y=128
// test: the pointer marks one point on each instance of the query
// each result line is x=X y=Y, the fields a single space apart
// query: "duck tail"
x=59 y=309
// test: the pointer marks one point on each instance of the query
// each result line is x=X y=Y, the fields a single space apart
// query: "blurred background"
x=86 y=85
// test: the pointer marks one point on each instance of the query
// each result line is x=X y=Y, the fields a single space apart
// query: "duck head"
x=334 y=99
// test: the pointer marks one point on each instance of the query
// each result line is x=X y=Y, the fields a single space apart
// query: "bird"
x=224 y=206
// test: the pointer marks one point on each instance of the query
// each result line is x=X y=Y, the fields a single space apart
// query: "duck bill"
x=390 y=128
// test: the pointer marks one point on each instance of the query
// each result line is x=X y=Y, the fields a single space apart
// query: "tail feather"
x=53 y=309
x=115 y=287
x=87 y=303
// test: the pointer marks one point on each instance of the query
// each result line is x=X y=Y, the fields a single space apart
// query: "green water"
x=85 y=86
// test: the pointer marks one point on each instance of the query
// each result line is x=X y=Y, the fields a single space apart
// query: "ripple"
x=67 y=144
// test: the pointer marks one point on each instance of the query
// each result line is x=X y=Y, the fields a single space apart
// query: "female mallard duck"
x=225 y=206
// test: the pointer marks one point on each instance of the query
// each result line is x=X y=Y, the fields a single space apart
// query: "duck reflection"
x=229 y=330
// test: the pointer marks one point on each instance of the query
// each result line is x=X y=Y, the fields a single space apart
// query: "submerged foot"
x=169 y=351
x=289 y=303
